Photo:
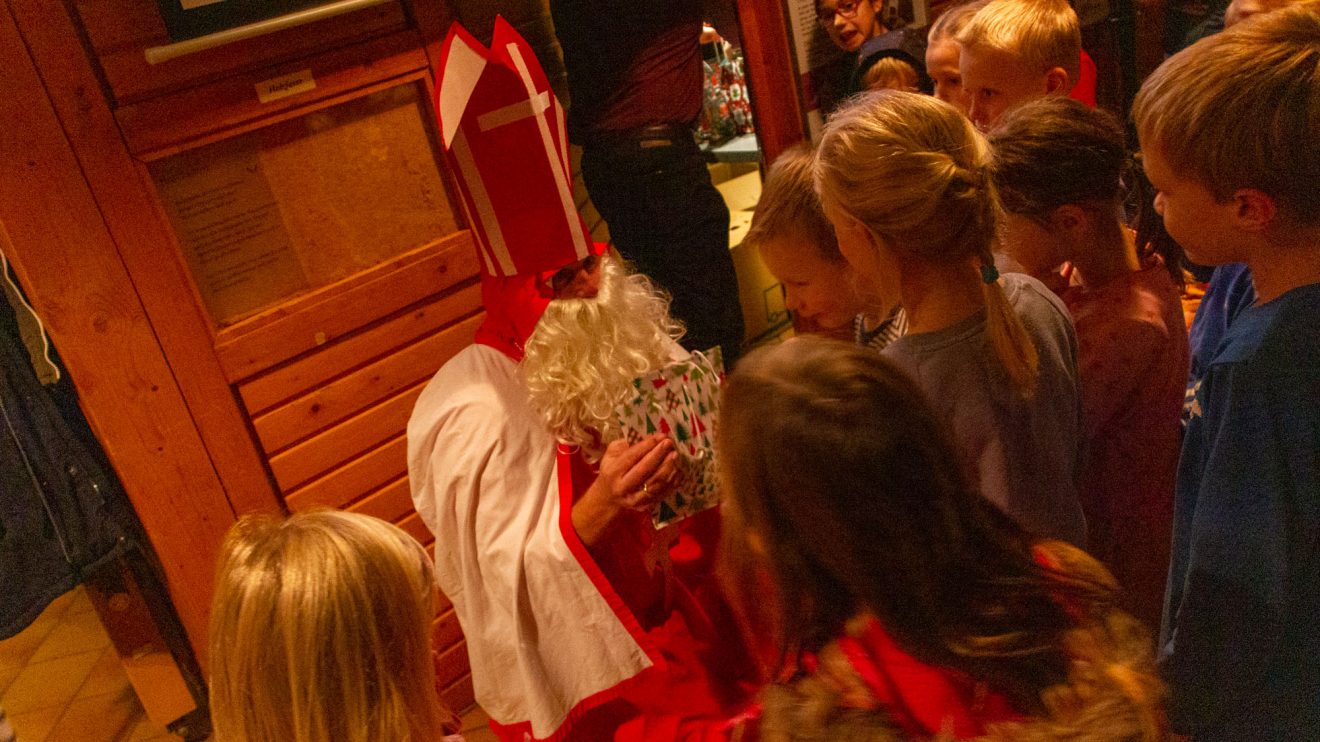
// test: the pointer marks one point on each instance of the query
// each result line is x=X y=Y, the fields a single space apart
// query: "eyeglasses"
x=845 y=8
x=564 y=278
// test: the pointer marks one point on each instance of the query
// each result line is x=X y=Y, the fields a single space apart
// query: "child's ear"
x=857 y=230
x=1056 y=81
x=1256 y=210
x=1069 y=219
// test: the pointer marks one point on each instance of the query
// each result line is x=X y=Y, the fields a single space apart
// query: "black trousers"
x=667 y=218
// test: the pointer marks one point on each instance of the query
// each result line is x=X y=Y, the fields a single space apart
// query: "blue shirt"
x=1229 y=292
x=1240 y=641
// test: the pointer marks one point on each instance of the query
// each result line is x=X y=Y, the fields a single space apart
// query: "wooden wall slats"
x=391 y=502
x=263 y=392
x=326 y=315
x=452 y=664
x=354 y=479
x=445 y=631
x=133 y=79
x=415 y=527
x=344 y=396
x=459 y=696
x=294 y=466
x=157 y=125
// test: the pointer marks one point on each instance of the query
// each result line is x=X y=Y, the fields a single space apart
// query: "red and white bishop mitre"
x=506 y=139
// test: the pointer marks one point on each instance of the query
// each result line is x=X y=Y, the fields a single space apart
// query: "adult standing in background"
x=635 y=79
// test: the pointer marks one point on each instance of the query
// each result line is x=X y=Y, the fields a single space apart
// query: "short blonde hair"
x=1044 y=34
x=916 y=173
x=1241 y=109
x=891 y=73
x=789 y=206
x=952 y=21
x=320 y=632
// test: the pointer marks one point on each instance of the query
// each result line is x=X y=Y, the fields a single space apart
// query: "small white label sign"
x=285 y=86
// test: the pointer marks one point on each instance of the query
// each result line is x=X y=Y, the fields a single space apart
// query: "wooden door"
x=281 y=214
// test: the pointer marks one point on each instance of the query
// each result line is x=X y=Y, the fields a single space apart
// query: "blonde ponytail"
x=1008 y=336
x=915 y=172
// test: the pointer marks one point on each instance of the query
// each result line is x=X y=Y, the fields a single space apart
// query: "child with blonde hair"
x=1013 y=51
x=1059 y=167
x=890 y=73
x=320 y=632
x=1229 y=128
x=943 y=54
x=905 y=181
x=797 y=244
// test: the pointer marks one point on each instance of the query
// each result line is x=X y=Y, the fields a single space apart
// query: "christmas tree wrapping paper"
x=681 y=400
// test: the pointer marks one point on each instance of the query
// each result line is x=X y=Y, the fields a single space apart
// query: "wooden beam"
x=142 y=240
x=771 y=77
x=67 y=260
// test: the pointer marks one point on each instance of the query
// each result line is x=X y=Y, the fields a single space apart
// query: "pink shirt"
x=1132 y=360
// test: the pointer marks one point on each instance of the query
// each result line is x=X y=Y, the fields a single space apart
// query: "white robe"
x=541 y=636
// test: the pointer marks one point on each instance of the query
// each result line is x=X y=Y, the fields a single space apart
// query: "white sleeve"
x=541 y=637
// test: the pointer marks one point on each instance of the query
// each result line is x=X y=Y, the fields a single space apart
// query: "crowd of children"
x=905 y=515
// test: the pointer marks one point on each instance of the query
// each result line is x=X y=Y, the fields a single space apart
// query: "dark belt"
x=654 y=135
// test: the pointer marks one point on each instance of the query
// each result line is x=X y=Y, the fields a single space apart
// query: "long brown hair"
x=843 y=487
x=1056 y=151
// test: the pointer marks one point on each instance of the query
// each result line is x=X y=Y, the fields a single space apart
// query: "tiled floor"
x=61 y=681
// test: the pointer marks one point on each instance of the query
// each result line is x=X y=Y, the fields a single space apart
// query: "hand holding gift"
x=680 y=401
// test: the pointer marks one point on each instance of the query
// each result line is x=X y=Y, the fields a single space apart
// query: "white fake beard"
x=584 y=354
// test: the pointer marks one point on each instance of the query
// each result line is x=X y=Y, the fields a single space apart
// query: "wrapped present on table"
x=681 y=400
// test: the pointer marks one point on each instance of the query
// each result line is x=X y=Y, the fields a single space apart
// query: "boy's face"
x=995 y=81
x=850 y=22
x=818 y=292
x=942 y=67
x=1203 y=225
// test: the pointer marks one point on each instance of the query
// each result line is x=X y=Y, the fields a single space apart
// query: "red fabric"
x=1132 y=362
x=923 y=700
x=1084 y=90
x=702 y=675
x=505 y=143
x=514 y=305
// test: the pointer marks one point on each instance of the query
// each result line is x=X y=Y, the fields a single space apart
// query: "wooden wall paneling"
x=354 y=479
x=452 y=665
x=141 y=234
x=316 y=455
x=771 y=77
x=132 y=78
x=164 y=125
x=432 y=20
x=265 y=391
x=68 y=262
x=391 y=502
x=115 y=24
x=445 y=630
x=415 y=527
x=325 y=315
x=336 y=400
x=460 y=695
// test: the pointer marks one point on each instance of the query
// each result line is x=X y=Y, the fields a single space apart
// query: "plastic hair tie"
x=989 y=273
